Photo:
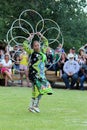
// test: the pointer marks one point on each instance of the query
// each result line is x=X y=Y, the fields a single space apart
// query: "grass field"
x=64 y=110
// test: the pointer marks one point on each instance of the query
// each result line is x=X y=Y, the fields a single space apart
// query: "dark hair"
x=73 y=48
x=35 y=39
x=34 y=43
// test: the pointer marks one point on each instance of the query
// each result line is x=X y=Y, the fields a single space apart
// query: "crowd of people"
x=14 y=60
x=70 y=66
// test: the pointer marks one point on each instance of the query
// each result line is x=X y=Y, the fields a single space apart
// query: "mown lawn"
x=64 y=110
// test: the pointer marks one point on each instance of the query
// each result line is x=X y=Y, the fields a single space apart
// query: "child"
x=37 y=71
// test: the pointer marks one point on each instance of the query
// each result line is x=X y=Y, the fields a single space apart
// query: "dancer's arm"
x=45 y=42
x=26 y=45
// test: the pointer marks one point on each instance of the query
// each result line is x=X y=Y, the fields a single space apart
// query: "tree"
x=69 y=14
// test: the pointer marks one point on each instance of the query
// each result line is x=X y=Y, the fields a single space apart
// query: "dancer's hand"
x=39 y=34
x=30 y=37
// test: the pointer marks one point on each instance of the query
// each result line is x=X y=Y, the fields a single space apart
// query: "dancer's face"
x=36 y=46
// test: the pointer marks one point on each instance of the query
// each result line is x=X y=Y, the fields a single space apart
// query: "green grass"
x=64 y=110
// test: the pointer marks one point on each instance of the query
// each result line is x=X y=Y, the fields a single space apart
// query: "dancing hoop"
x=51 y=29
x=15 y=27
x=56 y=40
x=27 y=27
x=28 y=10
x=56 y=28
x=17 y=38
x=23 y=27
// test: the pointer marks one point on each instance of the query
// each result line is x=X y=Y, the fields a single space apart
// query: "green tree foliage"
x=69 y=14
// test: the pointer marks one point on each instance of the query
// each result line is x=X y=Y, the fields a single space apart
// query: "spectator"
x=83 y=75
x=17 y=64
x=6 y=68
x=61 y=63
x=17 y=52
x=81 y=60
x=16 y=48
x=81 y=52
x=73 y=51
x=49 y=59
x=1 y=55
x=70 y=52
x=71 y=69
x=85 y=48
x=59 y=49
x=24 y=68
x=81 y=56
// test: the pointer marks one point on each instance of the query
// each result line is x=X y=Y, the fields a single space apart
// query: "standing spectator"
x=71 y=69
x=24 y=67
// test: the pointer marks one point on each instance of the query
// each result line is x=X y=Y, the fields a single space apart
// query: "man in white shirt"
x=71 y=69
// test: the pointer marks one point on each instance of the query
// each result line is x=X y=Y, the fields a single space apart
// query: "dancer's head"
x=36 y=46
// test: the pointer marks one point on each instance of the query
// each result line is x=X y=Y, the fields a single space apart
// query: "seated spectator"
x=17 y=64
x=6 y=68
x=85 y=48
x=71 y=69
x=61 y=62
x=83 y=75
x=81 y=60
x=73 y=51
x=81 y=52
x=70 y=52
x=59 y=49
x=49 y=56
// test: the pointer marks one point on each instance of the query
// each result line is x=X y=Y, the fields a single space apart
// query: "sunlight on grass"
x=64 y=110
